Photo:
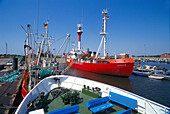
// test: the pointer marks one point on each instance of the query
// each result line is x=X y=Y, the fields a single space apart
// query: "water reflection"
x=156 y=90
x=120 y=82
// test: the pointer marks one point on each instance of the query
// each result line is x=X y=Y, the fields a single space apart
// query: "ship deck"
x=49 y=103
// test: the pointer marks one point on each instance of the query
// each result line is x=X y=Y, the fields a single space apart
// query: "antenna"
x=6 y=48
x=38 y=18
x=82 y=17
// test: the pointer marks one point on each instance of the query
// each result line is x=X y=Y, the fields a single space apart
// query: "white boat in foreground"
x=46 y=85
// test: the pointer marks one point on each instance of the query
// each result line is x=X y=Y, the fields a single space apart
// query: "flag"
x=45 y=25
x=107 y=17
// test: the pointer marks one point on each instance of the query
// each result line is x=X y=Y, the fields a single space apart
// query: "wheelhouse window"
x=105 y=62
x=97 y=61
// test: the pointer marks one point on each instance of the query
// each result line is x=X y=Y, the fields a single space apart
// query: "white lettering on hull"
x=122 y=65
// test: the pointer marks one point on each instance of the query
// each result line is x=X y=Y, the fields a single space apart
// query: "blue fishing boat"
x=142 y=72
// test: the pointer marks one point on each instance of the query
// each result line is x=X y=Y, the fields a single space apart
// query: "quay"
x=9 y=93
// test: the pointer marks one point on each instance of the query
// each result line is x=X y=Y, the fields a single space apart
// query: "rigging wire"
x=57 y=40
x=38 y=18
x=62 y=37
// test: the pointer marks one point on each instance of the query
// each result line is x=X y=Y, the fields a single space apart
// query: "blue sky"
x=132 y=24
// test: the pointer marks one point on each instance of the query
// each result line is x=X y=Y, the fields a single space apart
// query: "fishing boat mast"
x=43 y=43
x=28 y=53
x=103 y=33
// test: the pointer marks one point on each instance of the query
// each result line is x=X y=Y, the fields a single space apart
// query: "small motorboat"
x=156 y=77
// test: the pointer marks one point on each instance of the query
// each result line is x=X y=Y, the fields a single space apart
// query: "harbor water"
x=155 y=90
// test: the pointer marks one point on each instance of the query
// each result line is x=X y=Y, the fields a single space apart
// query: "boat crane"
x=68 y=35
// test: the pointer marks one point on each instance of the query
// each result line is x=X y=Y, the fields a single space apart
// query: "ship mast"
x=28 y=53
x=103 y=33
x=43 y=43
x=105 y=13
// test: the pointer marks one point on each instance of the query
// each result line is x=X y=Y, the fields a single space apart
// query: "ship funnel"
x=79 y=32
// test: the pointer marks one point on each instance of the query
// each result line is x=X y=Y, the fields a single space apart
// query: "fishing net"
x=44 y=73
x=10 y=77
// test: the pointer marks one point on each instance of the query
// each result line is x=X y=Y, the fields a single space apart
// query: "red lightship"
x=120 y=65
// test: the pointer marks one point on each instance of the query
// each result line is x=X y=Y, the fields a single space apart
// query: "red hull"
x=24 y=91
x=24 y=83
x=117 y=67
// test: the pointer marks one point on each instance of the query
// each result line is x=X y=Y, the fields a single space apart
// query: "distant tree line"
x=9 y=55
x=149 y=56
